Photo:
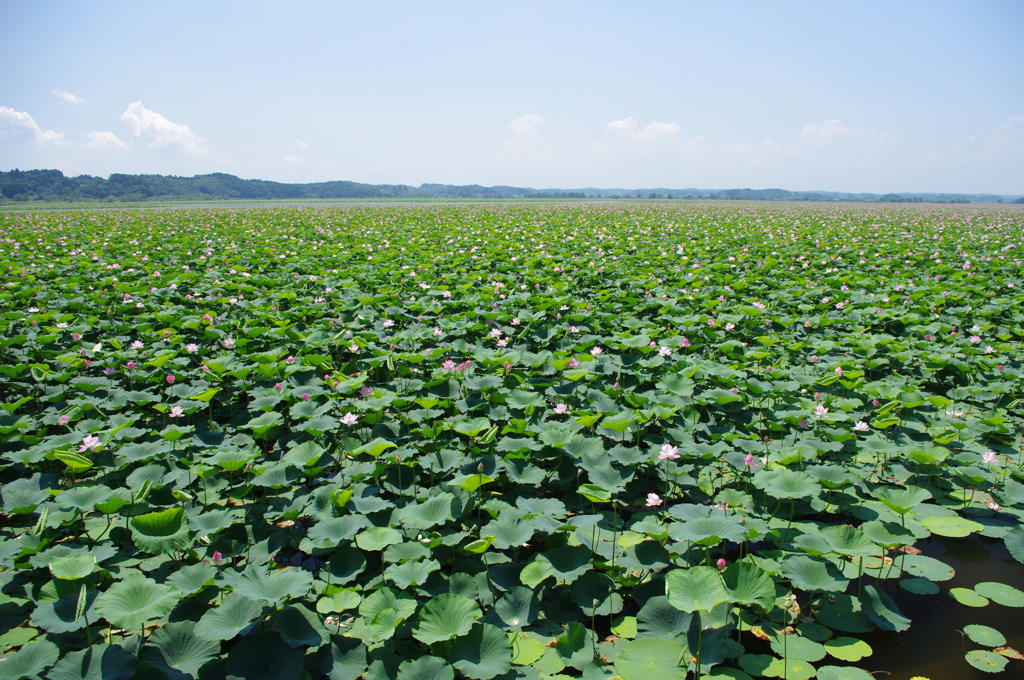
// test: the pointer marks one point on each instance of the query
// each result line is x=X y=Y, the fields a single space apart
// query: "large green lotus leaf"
x=1000 y=593
x=160 y=532
x=847 y=648
x=334 y=531
x=99 y=662
x=568 y=563
x=192 y=577
x=650 y=658
x=412 y=573
x=788 y=484
x=888 y=534
x=790 y=668
x=954 y=527
x=708 y=531
x=595 y=593
x=575 y=646
x=212 y=521
x=843 y=673
x=845 y=612
x=968 y=597
x=809 y=574
x=508 y=531
x=273 y=587
x=1014 y=541
x=339 y=601
x=264 y=422
x=798 y=646
x=658 y=618
x=517 y=608
x=263 y=656
x=697 y=589
x=83 y=497
x=71 y=567
x=527 y=649
x=986 y=661
x=386 y=598
x=347 y=658
x=61 y=615
x=984 y=635
x=927 y=567
x=234 y=614
x=378 y=538
x=346 y=564
x=29 y=661
x=882 y=610
x=747 y=583
x=132 y=602
x=176 y=645
x=482 y=654
x=444 y=617
x=426 y=668
x=403 y=552
x=902 y=500
x=849 y=540
x=434 y=511
x=534 y=573
x=299 y=627
x=471 y=427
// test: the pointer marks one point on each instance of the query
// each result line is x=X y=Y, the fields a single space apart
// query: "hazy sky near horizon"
x=846 y=96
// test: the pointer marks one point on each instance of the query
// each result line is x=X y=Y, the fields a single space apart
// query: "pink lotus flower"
x=130 y=364
x=750 y=461
x=176 y=412
x=90 y=443
x=573 y=363
x=664 y=351
x=820 y=411
x=305 y=396
x=191 y=348
x=561 y=409
x=289 y=360
x=217 y=557
x=989 y=458
x=137 y=344
x=668 y=452
x=76 y=336
x=596 y=351
x=278 y=387
x=861 y=426
x=170 y=380
x=685 y=342
x=653 y=500
x=448 y=365
x=63 y=420
x=349 y=419
x=721 y=564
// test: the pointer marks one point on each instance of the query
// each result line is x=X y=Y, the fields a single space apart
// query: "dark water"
x=934 y=647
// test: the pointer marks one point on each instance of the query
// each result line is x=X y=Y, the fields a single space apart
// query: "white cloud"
x=627 y=131
x=291 y=160
x=156 y=130
x=104 y=140
x=832 y=133
x=1007 y=140
x=302 y=145
x=525 y=127
x=19 y=123
x=65 y=96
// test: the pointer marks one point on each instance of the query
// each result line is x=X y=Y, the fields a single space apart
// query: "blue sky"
x=845 y=96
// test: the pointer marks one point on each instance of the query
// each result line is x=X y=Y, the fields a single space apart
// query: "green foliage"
x=464 y=441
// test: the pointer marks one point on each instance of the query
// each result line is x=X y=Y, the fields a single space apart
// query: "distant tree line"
x=51 y=186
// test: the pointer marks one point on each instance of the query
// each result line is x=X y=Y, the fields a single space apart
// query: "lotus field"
x=649 y=442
